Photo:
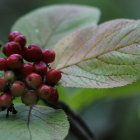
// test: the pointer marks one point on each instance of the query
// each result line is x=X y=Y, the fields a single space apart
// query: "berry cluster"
x=30 y=81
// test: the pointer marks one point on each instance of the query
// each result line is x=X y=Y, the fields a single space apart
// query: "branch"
x=77 y=125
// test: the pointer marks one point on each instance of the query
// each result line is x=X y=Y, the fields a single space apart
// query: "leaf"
x=103 y=57
x=47 y=25
x=44 y=123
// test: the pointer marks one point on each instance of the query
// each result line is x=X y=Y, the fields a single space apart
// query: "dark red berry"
x=21 y=40
x=14 y=61
x=26 y=69
x=33 y=80
x=13 y=35
x=3 y=64
x=9 y=76
x=30 y=97
x=17 y=88
x=53 y=76
x=12 y=48
x=33 y=53
x=53 y=97
x=48 y=55
x=40 y=67
x=5 y=100
x=44 y=91
x=2 y=84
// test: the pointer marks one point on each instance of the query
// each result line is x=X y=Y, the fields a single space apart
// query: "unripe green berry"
x=30 y=97
x=9 y=76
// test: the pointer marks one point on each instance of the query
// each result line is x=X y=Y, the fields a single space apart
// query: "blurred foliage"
x=80 y=98
x=114 y=119
x=113 y=114
x=111 y=9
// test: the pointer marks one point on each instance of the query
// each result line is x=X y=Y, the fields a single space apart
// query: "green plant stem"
x=77 y=126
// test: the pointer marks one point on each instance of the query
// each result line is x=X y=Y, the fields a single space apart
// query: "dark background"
x=110 y=119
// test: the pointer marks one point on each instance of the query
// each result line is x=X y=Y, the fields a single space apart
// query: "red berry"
x=14 y=61
x=44 y=91
x=13 y=35
x=2 y=84
x=40 y=67
x=32 y=53
x=48 y=55
x=9 y=76
x=12 y=48
x=26 y=69
x=53 y=97
x=21 y=40
x=5 y=100
x=3 y=65
x=33 y=80
x=53 y=76
x=17 y=88
x=30 y=97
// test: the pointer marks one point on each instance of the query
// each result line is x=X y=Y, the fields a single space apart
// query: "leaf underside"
x=103 y=57
x=44 y=123
x=49 y=24
x=91 y=57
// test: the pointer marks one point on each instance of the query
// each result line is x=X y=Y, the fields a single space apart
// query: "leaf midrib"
x=82 y=60
x=28 y=121
x=105 y=37
x=54 y=30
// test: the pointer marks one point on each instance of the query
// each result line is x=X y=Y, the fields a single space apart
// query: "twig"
x=78 y=126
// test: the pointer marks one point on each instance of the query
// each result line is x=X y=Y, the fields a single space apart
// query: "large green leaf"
x=43 y=123
x=103 y=57
x=47 y=25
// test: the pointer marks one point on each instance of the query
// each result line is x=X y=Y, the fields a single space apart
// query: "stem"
x=28 y=122
x=77 y=125
x=78 y=131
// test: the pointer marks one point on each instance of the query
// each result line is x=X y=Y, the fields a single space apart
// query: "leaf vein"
x=119 y=64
